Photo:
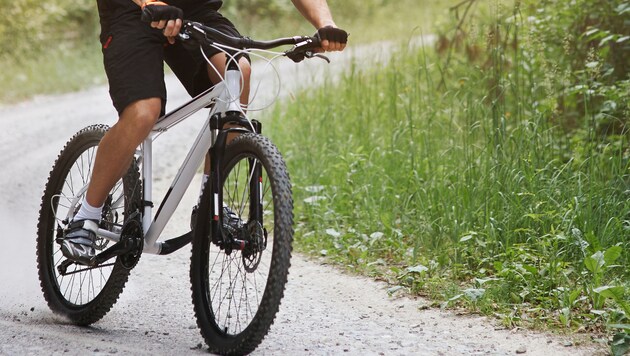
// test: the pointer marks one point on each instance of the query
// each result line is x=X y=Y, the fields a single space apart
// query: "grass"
x=454 y=183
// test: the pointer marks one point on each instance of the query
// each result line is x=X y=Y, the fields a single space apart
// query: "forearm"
x=316 y=12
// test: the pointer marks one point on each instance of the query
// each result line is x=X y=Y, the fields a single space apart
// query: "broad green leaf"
x=623 y=8
x=612 y=254
x=612 y=292
x=595 y=262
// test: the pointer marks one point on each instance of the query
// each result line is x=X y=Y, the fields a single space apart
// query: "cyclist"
x=133 y=54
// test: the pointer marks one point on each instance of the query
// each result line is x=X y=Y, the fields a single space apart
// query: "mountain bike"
x=241 y=239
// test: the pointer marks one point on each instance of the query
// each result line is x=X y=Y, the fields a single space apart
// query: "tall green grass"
x=455 y=182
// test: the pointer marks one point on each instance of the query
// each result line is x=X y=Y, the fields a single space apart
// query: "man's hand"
x=163 y=16
x=332 y=38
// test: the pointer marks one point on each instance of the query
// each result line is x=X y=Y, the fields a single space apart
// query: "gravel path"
x=324 y=312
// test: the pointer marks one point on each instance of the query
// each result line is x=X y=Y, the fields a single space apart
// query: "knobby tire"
x=236 y=305
x=86 y=296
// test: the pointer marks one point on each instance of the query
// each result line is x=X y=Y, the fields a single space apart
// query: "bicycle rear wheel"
x=237 y=292
x=82 y=294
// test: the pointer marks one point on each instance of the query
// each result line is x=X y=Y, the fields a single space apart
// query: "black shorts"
x=134 y=52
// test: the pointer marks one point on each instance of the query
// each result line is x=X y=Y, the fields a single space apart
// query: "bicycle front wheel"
x=237 y=292
x=83 y=294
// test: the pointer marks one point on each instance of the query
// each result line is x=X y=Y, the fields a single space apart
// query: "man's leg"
x=118 y=146
x=114 y=154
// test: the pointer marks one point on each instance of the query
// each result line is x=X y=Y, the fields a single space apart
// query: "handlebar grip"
x=303 y=49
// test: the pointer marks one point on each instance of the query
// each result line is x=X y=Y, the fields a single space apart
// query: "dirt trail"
x=324 y=311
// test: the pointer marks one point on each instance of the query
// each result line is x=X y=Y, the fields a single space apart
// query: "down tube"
x=177 y=189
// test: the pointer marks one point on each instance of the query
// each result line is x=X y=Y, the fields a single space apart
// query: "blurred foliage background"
x=52 y=46
x=30 y=27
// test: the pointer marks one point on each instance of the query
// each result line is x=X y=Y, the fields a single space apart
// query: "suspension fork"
x=256 y=185
x=214 y=184
x=233 y=114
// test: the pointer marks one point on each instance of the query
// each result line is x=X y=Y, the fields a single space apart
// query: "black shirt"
x=114 y=10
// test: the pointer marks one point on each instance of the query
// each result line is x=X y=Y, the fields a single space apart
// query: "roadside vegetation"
x=489 y=171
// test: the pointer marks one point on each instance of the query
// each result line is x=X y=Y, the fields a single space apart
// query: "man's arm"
x=318 y=13
x=170 y=26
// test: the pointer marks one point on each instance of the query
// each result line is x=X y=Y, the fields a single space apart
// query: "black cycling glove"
x=332 y=34
x=158 y=11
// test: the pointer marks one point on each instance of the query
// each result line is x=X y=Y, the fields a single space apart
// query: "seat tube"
x=147 y=177
x=233 y=84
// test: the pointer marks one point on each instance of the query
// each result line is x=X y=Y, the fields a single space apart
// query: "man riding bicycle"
x=133 y=54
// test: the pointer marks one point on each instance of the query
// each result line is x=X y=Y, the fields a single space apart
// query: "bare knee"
x=141 y=115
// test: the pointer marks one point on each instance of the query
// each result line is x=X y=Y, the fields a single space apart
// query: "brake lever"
x=311 y=54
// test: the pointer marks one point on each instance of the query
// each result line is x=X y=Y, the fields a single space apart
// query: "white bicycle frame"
x=224 y=97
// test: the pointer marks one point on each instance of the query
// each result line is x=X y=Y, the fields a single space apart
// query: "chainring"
x=132 y=235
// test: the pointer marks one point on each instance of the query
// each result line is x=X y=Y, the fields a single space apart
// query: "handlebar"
x=303 y=46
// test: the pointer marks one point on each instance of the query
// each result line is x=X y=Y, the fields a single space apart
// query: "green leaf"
x=468 y=236
x=482 y=281
x=536 y=217
x=595 y=262
x=573 y=296
x=623 y=39
x=623 y=8
x=612 y=254
x=417 y=269
x=606 y=39
x=612 y=292
x=591 y=31
x=619 y=326
x=620 y=344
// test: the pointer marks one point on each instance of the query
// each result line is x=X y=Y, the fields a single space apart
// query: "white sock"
x=88 y=212
x=204 y=180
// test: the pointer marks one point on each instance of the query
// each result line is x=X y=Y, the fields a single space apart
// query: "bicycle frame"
x=223 y=99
